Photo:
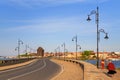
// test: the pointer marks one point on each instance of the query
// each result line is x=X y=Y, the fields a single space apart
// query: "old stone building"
x=40 y=51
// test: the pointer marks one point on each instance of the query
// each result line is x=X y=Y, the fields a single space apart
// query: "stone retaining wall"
x=13 y=61
x=90 y=71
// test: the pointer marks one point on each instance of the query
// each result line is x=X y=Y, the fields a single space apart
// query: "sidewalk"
x=72 y=71
x=92 y=73
x=115 y=77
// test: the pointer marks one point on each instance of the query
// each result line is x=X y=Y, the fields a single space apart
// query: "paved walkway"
x=115 y=77
x=92 y=73
x=71 y=71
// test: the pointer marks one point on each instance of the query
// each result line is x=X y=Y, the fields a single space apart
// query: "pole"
x=27 y=51
x=64 y=50
x=19 y=49
x=59 y=51
x=97 y=22
x=19 y=42
x=76 y=47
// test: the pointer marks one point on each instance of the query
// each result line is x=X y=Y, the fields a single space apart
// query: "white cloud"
x=53 y=25
x=45 y=25
x=31 y=3
x=47 y=3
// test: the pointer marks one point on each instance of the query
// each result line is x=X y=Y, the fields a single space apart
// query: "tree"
x=86 y=55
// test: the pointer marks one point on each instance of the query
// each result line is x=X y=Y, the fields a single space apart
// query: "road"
x=42 y=69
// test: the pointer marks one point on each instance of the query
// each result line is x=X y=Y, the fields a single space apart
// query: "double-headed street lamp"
x=18 y=48
x=63 y=45
x=59 y=51
x=75 y=38
x=27 y=46
x=55 y=53
x=96 y=12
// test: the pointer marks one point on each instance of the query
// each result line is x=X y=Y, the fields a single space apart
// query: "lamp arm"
x=102 y=30
x=92 y=12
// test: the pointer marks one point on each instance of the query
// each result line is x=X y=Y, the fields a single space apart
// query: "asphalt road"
x=42 y=69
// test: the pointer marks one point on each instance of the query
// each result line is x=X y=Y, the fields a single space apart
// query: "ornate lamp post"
x=55 y=53
x=75 y=38
x=27 y=46
x=18 y=48
x=59 y=51
x=96 y=12
x=63 y=45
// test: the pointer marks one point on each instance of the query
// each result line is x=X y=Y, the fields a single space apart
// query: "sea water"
x=116 y=62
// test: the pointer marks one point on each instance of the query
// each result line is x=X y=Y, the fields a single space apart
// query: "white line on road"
x=18 y=67
x=62 y=70
x=29 y=72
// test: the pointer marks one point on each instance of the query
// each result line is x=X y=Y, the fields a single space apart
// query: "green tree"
x=86 y=55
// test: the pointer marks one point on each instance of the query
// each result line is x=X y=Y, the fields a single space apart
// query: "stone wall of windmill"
x=40 y=52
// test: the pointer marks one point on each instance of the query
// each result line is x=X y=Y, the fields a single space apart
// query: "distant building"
x=117 y=53
x=40 y=52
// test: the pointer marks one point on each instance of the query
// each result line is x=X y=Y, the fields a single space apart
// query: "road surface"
x=42 y=69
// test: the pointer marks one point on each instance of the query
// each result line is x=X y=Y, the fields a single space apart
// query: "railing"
x=77 y=62
x=13 y=61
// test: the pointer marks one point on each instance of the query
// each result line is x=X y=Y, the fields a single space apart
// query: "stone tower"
x=40 y=51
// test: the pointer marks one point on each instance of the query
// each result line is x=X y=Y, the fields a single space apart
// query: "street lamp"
x=75 y=38
x=55 y=54
x=18 y=48
x=103 y=31
x=79 y=46
x=63 y=45
x=96 y=12
x=59 y=51
x=27 y=46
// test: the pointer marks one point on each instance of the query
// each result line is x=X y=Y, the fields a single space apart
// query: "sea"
x=3 y=58
x=116 y=62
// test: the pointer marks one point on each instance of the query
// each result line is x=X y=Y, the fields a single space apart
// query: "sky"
x=50 y=23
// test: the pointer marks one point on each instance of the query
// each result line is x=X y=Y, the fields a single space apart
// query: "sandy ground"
x=115 y=76
x=70 y=71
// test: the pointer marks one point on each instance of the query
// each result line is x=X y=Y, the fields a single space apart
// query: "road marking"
x=29 y=72
x=19 y=67
x=62 y=67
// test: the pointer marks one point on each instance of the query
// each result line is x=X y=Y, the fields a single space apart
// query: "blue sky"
x=50 y=23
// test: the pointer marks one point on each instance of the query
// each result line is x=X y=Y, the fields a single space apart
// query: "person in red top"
x=102 y=64
x=111 y=68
